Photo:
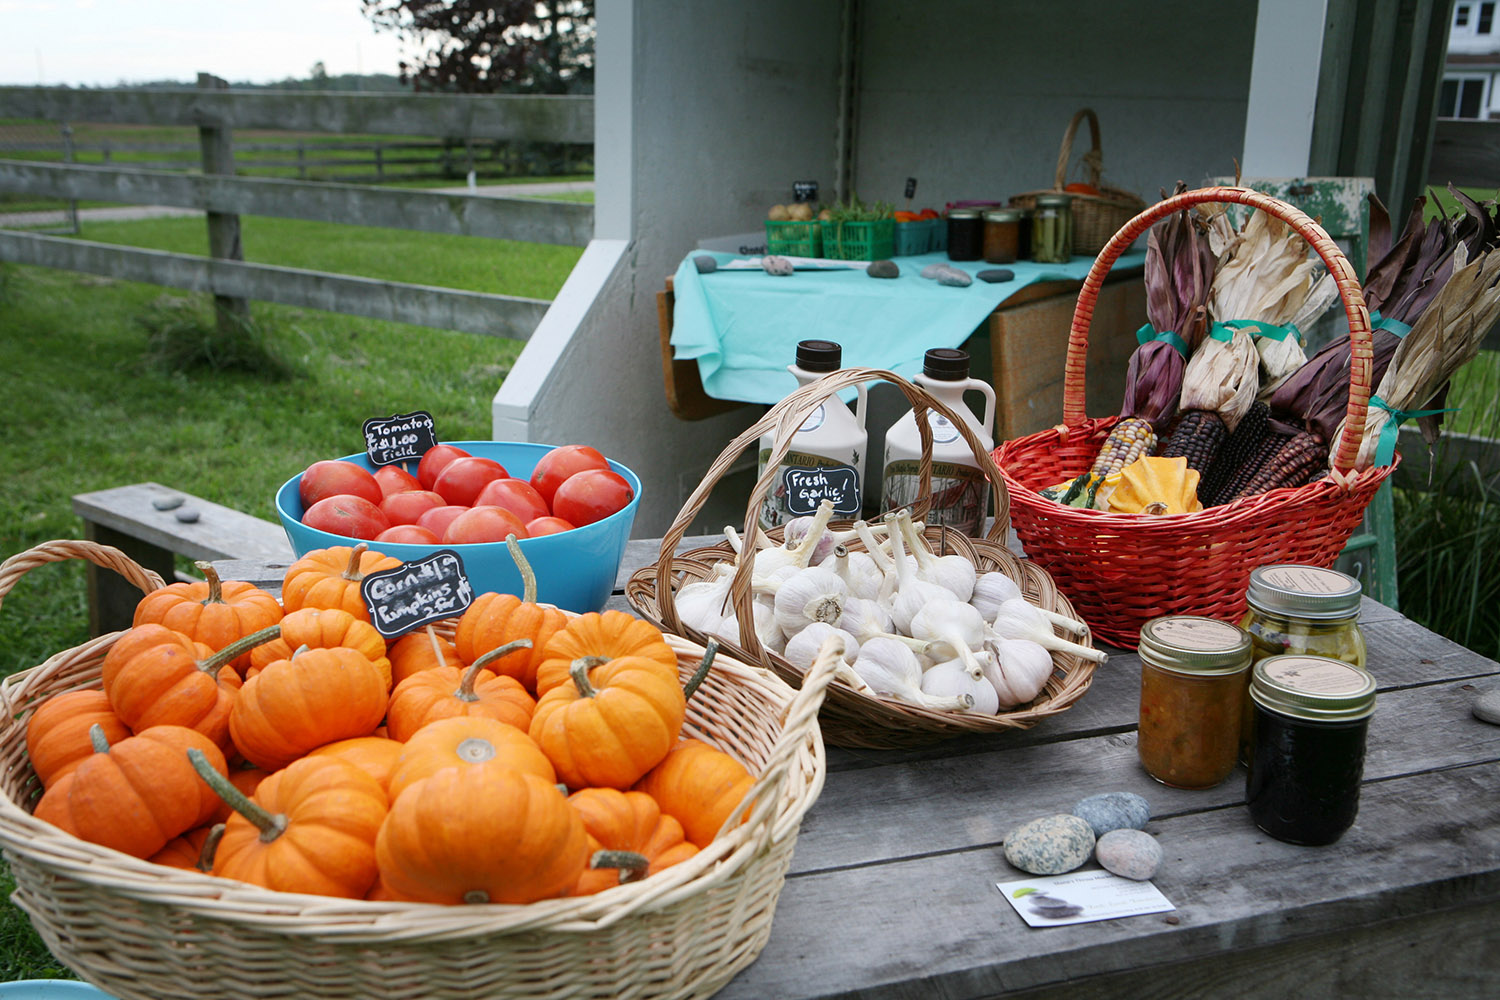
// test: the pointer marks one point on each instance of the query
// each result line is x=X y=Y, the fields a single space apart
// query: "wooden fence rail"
x=223 y=196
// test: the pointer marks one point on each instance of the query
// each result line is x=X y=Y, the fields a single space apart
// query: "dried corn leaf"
x=1153 y=383
x=1267 y=277
x=1179 y=270
x=1222 y=376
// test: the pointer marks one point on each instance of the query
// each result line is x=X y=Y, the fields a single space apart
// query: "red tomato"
x=433 y=461
x=463 y=478
x=591 y=495
x=334 y=478
x=547 y=526
x=483 y=524
x=347 y=515
x=516 y=496
x=405 y=508
x=560 y=463
x=407 y=534
x=394 y=479
x=438 y=519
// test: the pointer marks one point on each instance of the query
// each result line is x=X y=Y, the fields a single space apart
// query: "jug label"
x=803 y=481
x=958 y=493
x=943 y=429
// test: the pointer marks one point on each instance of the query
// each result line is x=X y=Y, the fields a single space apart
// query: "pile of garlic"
x=917 y=627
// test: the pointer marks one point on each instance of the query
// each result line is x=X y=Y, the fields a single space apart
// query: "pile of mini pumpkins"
x=537 y=755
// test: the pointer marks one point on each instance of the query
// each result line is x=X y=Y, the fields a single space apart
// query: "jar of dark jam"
x=1307 y=759
x=1002 y=235
x=1192 y=688
x=1301 y=609
x=965 y=234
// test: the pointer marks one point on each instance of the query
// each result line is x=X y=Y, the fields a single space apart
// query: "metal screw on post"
x=217 y=144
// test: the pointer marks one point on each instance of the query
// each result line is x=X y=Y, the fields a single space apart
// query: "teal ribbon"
x=1148 y=333
x=1269 y=330
x=1379 y=322
x=1385 y=451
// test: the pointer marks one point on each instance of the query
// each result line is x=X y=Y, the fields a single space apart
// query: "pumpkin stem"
x=528 y=575
x=215 y=585
x=632 y=866
x=351 y=572
x=476 y=896
x=97 y=738
x=465 y=690
x=304 y=648
x=210 y=848
x=238 y=647
x=579 y=671
x=710 y=648
x=271 y=825
x=475 y=750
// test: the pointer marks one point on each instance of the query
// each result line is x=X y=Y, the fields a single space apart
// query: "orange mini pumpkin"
x=136 y=795
x=497 y=620
x=374 y=755
x=627 y=821
x=447 y=693
x=700 y=786
x=211 y=611
x=467 y=742
x=193 y=851
x=322 y=628
x=297 y=705
x=330 y=578
x=311 y=828
x=442 y=841
x=57 y=734
x=417 y=651
x=612 y=723
x=610 y=635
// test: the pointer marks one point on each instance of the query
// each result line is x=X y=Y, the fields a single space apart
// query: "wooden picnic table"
x=891 y=893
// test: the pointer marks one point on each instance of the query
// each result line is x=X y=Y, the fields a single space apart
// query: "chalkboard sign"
x=415 y=593
x=804 y=191
x=911 y=187
x=806 y=488
x=399 y=438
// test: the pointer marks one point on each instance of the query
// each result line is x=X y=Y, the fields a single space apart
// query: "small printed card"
x=1082 y=896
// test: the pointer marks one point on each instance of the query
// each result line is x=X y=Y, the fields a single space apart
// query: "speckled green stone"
x=1051 y=845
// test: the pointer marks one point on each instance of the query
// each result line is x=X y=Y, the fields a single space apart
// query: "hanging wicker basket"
x=1096 y=217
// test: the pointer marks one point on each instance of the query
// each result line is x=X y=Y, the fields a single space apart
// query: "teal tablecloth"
x=742 y=327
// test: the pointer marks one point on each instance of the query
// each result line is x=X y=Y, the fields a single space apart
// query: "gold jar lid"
x=1191 y=644
x=1315 y=688
x=1303 y=591
x=1053 y=200
x=963 y=213
x=1003 y=215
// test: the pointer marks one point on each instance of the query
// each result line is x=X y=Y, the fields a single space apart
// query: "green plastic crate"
x=860 y=240
x=794 y=239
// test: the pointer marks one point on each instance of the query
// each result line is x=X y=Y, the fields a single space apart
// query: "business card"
x=1080 y=897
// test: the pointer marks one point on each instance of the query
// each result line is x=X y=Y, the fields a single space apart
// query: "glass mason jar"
x=965 y=234
x=1002 y=235
x=1192 y=694
x=1052 y=229
x=1301 y=609
x=1312 y=715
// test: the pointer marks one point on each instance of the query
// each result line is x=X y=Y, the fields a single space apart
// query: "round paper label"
x=1197 y=633
x=1316 y=675
x=1307 y=579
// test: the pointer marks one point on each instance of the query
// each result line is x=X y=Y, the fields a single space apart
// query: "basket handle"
x=1093 y=159
x=1360 y=352
x=784 y=419
x=103 y=556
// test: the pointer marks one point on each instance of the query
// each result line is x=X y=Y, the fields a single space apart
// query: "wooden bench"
x=128 y=518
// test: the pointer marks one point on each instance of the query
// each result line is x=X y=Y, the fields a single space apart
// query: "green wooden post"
x=217 y=145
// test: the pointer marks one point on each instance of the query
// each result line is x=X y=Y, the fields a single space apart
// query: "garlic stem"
x=1018 y=619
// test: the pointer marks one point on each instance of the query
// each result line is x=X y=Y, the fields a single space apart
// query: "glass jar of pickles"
x=1192 y=695
x=1052 y=229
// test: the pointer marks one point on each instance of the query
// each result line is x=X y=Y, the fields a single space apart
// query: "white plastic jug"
x=960 y=491
x=827 y=453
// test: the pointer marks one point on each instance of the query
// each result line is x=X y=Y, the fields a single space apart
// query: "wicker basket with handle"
x=1096 y=217
x=1122 y=570
x=145 y=932
x=849 y=718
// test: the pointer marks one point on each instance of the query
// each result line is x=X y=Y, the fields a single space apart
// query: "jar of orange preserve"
x=1192 y=693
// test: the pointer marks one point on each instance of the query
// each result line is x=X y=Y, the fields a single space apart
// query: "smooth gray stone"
x=1129 y=854
x=187 y=515
x=1051 y=845
x=953 y=276
x=705 y=264
x=1114 y=811
x=778 y=266
x=883 y=269
x=167 y=503
x=933 y=270
x=996 y=274
x=1487 y=706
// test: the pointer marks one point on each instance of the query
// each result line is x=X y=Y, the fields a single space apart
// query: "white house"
x=1473 y=62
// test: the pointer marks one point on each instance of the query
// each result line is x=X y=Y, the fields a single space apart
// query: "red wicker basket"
x=1121 y=570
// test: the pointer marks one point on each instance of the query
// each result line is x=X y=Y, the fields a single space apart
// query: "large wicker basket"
x=1096 y=217
x=849 y=718
x=1122 y=570
x=144 y=932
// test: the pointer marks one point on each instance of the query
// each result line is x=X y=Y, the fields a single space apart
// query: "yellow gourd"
x=1152 y=485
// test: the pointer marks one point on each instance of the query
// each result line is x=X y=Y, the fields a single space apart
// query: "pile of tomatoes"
x=457 y=498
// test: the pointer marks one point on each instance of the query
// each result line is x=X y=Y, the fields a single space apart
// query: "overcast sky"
x=105 y=42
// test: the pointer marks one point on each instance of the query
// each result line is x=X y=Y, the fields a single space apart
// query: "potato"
x=826 y=215
x=800 y=212
x=778 y=213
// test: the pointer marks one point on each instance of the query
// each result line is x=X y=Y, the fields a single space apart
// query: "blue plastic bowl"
x=575 y=570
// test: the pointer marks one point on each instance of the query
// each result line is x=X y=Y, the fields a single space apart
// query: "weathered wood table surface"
x=892 y=889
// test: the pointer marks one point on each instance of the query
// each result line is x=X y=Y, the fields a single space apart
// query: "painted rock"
x=1051 y=845
x=779 y=266
x=953 y=276
x=705 y=264
x=1114 y=811
x=995 y=274
x=1129 y=854
x=1487 y=706
x=883 y=269
x=933 y=270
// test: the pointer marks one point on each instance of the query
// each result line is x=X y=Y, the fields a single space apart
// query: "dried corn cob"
x=1269 y=445
x=1128 y=440
x=1294 y=464
x=1238 y=448
x=1196 y=437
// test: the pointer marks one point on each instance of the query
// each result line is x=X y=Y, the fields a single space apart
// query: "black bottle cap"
x=946 y=364
x=819 y=356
